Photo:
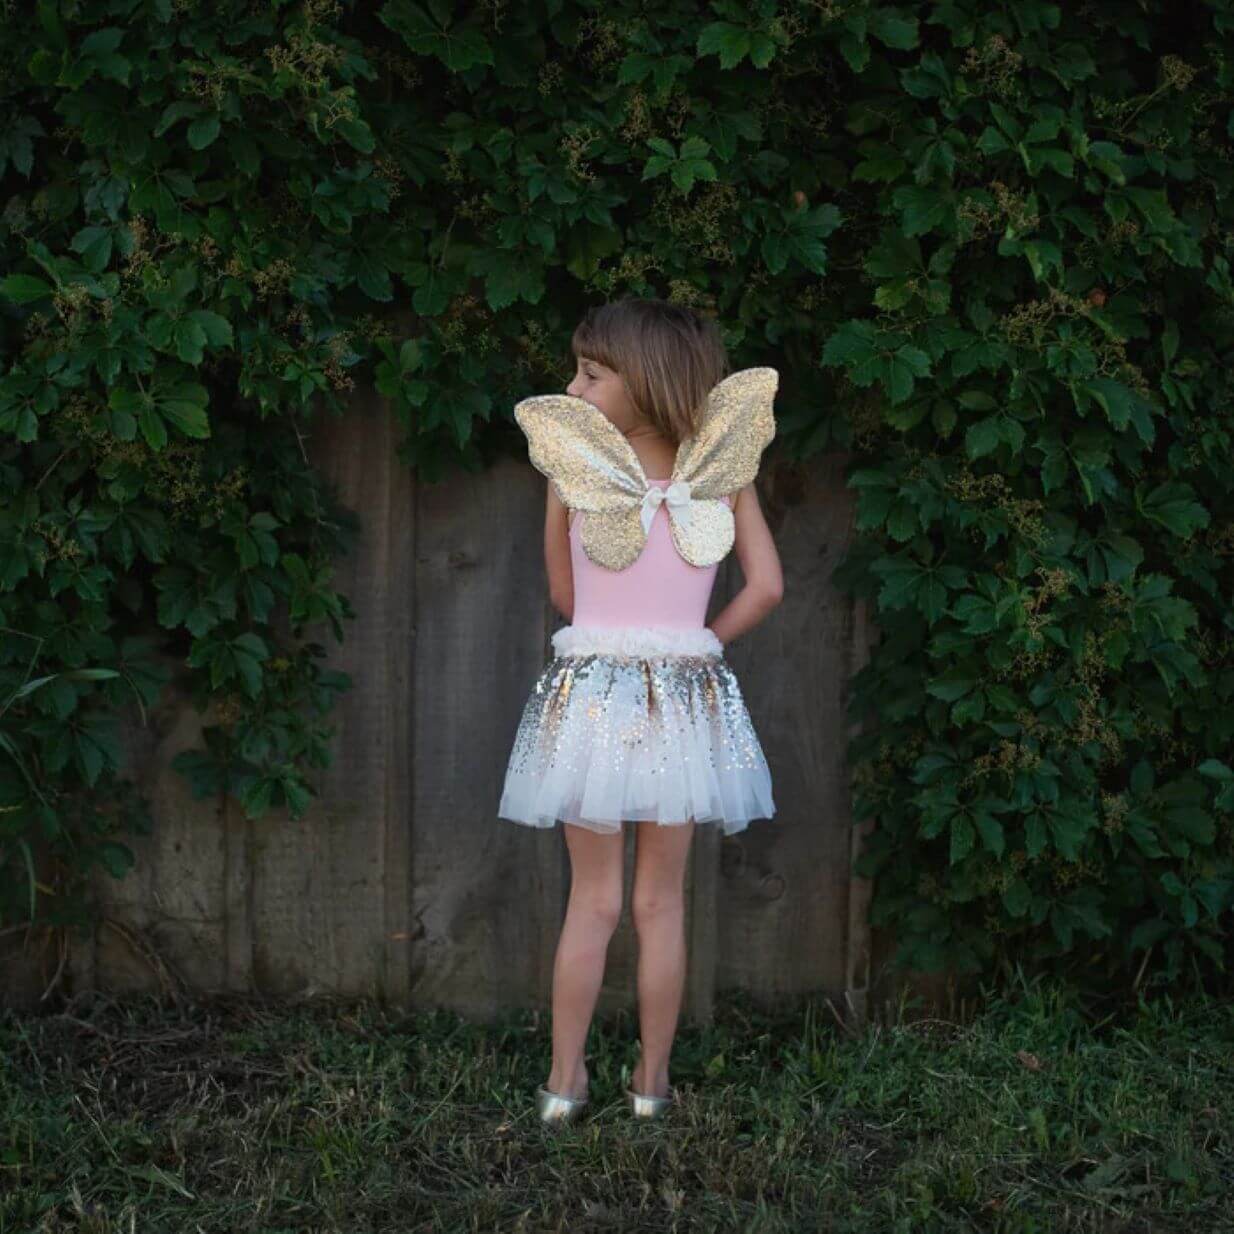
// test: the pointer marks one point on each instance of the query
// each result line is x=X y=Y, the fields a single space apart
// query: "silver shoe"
x=555 y=1108
x=642 y=1105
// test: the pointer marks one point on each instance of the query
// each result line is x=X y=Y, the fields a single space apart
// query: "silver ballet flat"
x=642 y=1105
x=555 y=1108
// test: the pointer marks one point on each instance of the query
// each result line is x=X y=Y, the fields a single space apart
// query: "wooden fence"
x=401 y=882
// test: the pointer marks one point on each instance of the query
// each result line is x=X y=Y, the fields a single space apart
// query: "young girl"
x=651 y=454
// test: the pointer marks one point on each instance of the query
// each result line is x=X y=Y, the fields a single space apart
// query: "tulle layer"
x=608 y=736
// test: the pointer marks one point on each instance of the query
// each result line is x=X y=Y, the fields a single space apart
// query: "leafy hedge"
x=987 y=246
x=1046 y=487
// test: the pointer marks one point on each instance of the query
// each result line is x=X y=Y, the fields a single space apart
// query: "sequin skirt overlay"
x=636 y=724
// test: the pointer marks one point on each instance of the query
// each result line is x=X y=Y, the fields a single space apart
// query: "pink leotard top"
x=659 y=588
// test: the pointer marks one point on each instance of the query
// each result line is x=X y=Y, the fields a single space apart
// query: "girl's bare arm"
x=760 y=567
x=557 y=555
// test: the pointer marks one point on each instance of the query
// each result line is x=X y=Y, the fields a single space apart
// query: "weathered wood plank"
x=550 y=856
x=163 y=923
x=26 y=967
x=484 y=889
x=402 y=880
x=859 y=951
x=320 y=900
x=785 y=880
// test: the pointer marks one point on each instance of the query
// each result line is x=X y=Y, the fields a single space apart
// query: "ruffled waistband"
x=636 y=640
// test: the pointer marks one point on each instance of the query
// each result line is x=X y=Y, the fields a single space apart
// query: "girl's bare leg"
x=658 y=908
x=592 y=914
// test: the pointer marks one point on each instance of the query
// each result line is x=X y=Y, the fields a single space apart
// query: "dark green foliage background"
x=987 y=245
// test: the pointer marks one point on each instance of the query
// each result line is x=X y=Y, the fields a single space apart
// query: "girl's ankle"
x=576 y=1088
x=640 y=1082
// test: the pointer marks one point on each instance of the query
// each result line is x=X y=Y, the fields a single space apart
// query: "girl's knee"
x=596 y=872
x=652 y=904
x=601 y=905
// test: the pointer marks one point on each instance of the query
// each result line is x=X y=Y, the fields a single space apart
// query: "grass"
x=235 y=1115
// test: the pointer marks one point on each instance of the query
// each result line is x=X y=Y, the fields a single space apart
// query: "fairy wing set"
x=595 y=470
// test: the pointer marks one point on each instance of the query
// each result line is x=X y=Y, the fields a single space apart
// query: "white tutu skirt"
x=636 y=724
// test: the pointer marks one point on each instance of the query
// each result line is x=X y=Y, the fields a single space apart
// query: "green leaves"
x=986 y=435
x=97 y=54
x=89 y=744
x=1123 y=406
x=17 y=144
x=799 y=237
x=25 y=288
x=903 y=508
x=908 y=582
x=898 y=370
x=904 y=275
x=189 y=334
x=372 y=273
x=921 y=209
x=1035 y=142
x=232 y=661
x=869 y=355
x=664 y=70
x=1010 y=773
x=1172 y=505
x=508 y=277
x=897 y=28
x=683 y=166
x=460 y=408
x=733 y=41
x=587 y=245
x=253 y=539
x=203 y=132
x=431 y=31
x=177 y=327
x=179 y=403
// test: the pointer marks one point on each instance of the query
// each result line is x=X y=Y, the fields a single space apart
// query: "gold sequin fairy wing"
x=722 y=457
x=594 y=470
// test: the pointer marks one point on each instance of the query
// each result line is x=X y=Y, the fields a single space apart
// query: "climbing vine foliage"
x=987 y=245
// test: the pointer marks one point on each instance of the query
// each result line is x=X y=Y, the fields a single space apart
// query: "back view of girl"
x=651 y=456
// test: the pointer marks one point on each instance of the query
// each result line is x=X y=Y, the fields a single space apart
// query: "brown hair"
x=668 y=356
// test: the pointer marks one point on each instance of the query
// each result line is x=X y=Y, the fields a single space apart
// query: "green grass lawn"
x=242 y=1116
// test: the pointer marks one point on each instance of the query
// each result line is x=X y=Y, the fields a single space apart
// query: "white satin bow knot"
x=678 y=497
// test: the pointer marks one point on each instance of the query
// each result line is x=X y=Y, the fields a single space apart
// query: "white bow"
x=678 y=497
